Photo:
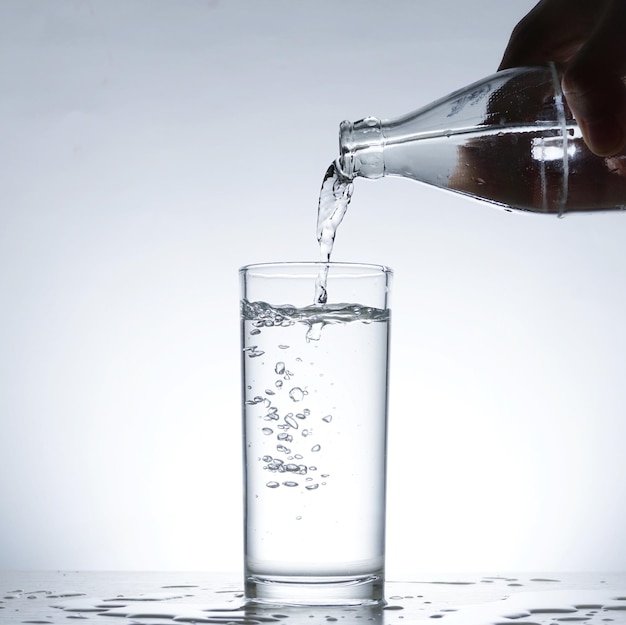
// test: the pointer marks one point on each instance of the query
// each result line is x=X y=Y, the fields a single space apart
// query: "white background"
x=148 y=148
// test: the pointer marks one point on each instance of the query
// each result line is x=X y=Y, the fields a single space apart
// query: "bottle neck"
x=361 y=149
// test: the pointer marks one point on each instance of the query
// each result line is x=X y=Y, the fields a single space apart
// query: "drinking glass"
x=314 y=393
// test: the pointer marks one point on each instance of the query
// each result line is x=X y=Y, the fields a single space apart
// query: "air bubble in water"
x=283 y=436
x=283 y=449
x=328 y=418
x=312 y=486
x=272 y=485
x=267 y=431
x=254 y=332
x=316 y=448
x=290 y=484
x=278 y=384
x=314 y=332
x=256 y=400
x=291 y=421
x=280 y=368
x=254 y=353
x=297 y=394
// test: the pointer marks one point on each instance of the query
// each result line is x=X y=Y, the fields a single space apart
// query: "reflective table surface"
x=153 y=598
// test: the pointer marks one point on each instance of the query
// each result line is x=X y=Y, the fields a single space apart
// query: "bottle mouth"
x=345 y=163
x=360 y=149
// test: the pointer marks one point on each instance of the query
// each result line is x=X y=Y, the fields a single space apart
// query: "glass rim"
x=362 y=268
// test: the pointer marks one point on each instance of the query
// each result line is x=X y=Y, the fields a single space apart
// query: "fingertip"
x=604 y=137
x=596 y=103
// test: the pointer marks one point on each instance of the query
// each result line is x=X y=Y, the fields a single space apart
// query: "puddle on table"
x=490 y=600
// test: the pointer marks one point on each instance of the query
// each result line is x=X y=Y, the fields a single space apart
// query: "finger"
x=593 y=84
x=598 y=104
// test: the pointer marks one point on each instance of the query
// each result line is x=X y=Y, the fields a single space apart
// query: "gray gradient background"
x=150 y=148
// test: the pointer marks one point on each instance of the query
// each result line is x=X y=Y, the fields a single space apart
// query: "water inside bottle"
x=527 y=168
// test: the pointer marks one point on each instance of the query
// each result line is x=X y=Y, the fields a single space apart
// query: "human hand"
x=586 y=39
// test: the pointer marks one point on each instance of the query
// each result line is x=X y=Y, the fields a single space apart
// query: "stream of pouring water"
x=334 y=199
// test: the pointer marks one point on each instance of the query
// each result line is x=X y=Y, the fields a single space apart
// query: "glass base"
x=315 y=590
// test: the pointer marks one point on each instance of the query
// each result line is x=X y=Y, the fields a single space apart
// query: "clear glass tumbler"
x=315 y=386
